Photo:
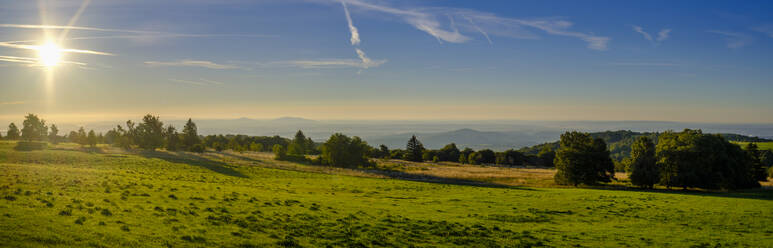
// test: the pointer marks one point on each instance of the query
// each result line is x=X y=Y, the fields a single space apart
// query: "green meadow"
x=761 y=145
x=67 y=196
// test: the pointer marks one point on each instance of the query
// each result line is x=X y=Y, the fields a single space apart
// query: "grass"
x=105 y=197
x=761 y=145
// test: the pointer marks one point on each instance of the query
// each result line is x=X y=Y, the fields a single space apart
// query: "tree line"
x=676 y=159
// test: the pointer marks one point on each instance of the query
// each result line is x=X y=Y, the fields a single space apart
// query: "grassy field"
x=761 y=145
x=66 y=196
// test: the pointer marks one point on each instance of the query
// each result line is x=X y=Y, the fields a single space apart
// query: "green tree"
x=413 y=150
x=428 y=155
x=383 y=151
x=758 y=169
x=280 y=152
x=81 y=137
x=581 y=159
x=464 y=155
x=33 y=128
x=547 y=155
x=299 y=144
x=693 y=159
x=13 y=132
x=150 y=133
x=343 y=151
x=190 y=135
x=172 y=138
x=256 y=147
x=53 y=134
x=643 y=164
x=91 y=139
x=448 y=153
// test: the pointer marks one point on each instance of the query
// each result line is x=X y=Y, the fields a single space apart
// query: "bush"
x=198 y=148
x=30 y=145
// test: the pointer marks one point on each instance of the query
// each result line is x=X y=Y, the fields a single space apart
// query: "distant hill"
x=468 y=138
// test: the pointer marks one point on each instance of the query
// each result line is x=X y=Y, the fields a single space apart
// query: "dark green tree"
x=341 y=151
x=150 y=133
x=759 y=170
x=413 y=150
x=643 y=164
x=91 y=139
x=81 y=137
x=33 y=128
x=53 y=134
x=581 y=159
x=190 y=135
x=383 y=151
x=448 y=153
x=464 y=155
x=280 y=152
x=13 y=132
x=547 y=155
x=172 y=138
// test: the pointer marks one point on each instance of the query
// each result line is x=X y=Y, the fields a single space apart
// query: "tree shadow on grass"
x=393 y=174
x=241 y=157
x=193 y=159
x=757 y=194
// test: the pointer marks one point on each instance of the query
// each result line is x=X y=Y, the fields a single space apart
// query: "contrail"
x=46 y=27
x=352 y=29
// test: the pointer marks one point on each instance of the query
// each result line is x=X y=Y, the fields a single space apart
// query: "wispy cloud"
x=766 y=29
x=640 y=30
x=12 y=103
x=37 y=47
x=663 y=35
x=428 y=21
x=191 y=63
x=355 y=39
x=363 y=63
x=33 y=62
x=734 y=40
x=649 y=64
x=199 y=82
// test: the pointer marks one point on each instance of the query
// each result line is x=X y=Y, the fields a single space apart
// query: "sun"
x=49 y=54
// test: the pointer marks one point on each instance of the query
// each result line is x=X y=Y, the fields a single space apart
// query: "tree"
x=80 y=137
x=759 y=170
x=547 y=155
x=52 y=135
x=464 y=155
x=190 y=136
x=693 y=159
x=428 y=155
x=343 y=151
x=384 y=151
x=643 y=164
x=13 y=132
x=510 y=157
x=300 y=144
x=448 y=153
x=172 y=138
x=280 y=152
x=150 y=133
x=256 y=147
x=33 y=128
x=91 y=139
x=413 y=150
x=581 y=159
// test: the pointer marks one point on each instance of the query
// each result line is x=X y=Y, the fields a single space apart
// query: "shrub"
x=198 y=148
x=30 y=145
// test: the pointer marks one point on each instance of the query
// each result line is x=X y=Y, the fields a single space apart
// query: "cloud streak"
x=355 y=39
x=199 y=82
x=65 y=50
x=734 y=40
x=663 y=34
x=428 y=21
x=191 y=63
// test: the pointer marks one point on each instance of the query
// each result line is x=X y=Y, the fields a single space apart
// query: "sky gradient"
x=695 y=61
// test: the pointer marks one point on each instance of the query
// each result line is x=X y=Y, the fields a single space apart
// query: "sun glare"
x=49 y=54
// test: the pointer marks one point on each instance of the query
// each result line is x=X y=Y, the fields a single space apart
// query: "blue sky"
x=704 y=61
